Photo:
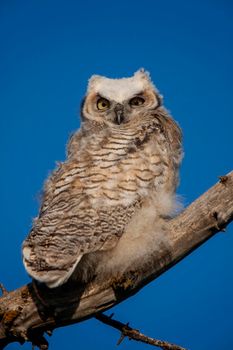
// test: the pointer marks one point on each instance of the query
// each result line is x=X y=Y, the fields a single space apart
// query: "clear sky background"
x=48 y=50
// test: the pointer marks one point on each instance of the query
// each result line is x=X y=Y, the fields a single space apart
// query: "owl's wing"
x=173 y=135
x=67 y=228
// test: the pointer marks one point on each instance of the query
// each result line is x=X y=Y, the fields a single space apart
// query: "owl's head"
x=119 y=101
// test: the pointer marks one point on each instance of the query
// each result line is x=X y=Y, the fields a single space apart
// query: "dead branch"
x=131 y=333
x=26 y=313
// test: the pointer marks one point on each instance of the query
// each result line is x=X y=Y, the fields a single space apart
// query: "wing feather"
x=67 y=228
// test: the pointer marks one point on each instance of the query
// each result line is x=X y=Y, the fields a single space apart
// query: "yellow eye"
x=136 y=101
x=102 y=104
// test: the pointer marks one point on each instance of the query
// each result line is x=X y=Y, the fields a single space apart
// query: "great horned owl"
x=120 y=176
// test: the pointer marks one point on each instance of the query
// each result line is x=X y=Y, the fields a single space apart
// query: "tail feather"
x=53 y=275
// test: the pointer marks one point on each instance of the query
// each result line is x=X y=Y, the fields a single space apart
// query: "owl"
x=104 y=206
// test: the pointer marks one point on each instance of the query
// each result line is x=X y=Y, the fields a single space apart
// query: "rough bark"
x=27 y=312
x=131 y=333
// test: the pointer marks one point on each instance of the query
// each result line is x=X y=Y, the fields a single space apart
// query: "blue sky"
x=48 y=51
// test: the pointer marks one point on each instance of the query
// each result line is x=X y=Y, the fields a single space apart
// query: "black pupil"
x=137 y=101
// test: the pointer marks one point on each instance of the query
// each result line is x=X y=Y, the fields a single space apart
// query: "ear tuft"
x=142 y=74
x=94 y=79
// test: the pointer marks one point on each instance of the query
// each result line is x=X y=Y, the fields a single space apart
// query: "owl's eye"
x=136 y=101
x=102 y=104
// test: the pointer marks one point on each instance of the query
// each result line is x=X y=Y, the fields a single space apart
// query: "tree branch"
x=127 y=331
x=26 y=313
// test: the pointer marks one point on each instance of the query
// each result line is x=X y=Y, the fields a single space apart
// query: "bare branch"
x=131 y=333
x=26 y=314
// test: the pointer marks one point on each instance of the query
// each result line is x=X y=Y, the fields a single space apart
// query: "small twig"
x=3 y=290
x=127 y=331
x=223 y=179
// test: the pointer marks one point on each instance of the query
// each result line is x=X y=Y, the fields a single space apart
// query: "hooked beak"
x=119 y=117
x=119 y=114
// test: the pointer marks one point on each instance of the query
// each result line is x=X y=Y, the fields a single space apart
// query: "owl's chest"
x=120 y=172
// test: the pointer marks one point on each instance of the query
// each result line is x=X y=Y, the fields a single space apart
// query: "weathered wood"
x=27 y=312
